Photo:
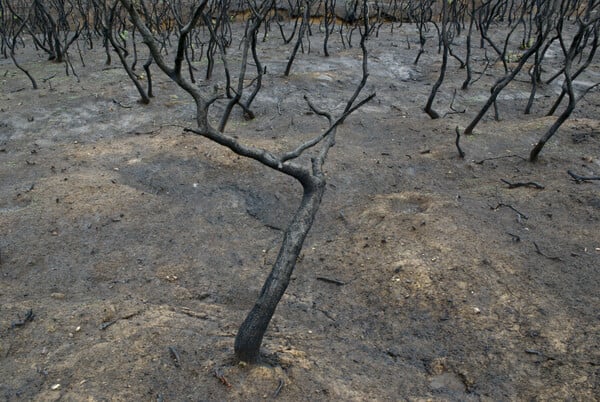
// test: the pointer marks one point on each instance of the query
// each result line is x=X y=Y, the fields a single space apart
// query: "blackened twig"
x=326 y=314
x=522 y=215
x=453 y=110
x=515 y=238
x=221 y=377
x=531 y=184
x=28 y=318
x=537 y=250
x=125 y=317
x=279 y=388
x=175 y=356
x=330 y=280
x=48 y=78
x=116 y=102
x=499 y=157
x=579 y=178
x=461 y=153
x=107 y=324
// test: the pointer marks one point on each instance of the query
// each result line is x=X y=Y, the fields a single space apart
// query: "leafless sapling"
x=544 y=24
x=585 y=38
x=249 y=337
x=10 y=30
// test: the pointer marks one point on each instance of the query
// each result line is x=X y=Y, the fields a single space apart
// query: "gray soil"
x=139 y=248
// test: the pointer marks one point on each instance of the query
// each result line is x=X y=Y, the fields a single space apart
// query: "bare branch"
x=332 y=126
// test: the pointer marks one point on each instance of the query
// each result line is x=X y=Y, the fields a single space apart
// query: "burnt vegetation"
x=190 y=42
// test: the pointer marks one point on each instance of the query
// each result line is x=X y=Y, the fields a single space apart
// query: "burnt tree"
x=311 y=177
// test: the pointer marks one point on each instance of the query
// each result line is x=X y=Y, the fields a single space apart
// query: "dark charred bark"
x=250 y=335
x=578 y=44
x=467 y=81
x=121 y=53
x=444 y=42
x=501 y=84
x=301 y=33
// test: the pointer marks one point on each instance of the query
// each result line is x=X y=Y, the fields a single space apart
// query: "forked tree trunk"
x=501 y=84
x=251 y=333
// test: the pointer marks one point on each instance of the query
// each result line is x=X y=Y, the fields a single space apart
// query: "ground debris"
x=530 y=184
x=520 y=214
x=579 y=179
x=537 y=250
x=331 y=280
x=21 y=322
x=175 y=356
x=107 y=324
x=218 y=372
x=279 y=388
x=191 y=313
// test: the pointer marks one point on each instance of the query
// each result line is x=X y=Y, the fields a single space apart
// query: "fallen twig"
x=461 y=153
x=28 y=318
x=125 y=317
x=499 y=157
x=522 y=215
x=279 y=388
x=330 y=280
x=515 y=238
x=175 y=356
x=579 y=178
x=121 y=104
x=537 y=250
x=531 y=184
x=326 y=314
x=221 y=377
x=107 y=324
x=453 y=110
x=187 y=311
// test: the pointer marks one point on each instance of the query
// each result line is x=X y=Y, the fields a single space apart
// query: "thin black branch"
x=531 y=184
x=461 y=153
x=580 y=179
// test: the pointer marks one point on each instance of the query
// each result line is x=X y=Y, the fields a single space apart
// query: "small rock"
x=57 y=296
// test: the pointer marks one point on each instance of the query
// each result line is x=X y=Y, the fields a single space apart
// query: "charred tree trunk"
x=121 y=53
x=467 y=81
x=501 y=84
x=578 y=44
x=446 y=45
x=250 y=335
x=301 y=33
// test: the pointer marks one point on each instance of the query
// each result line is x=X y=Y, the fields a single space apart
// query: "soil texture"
x=131 y=251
